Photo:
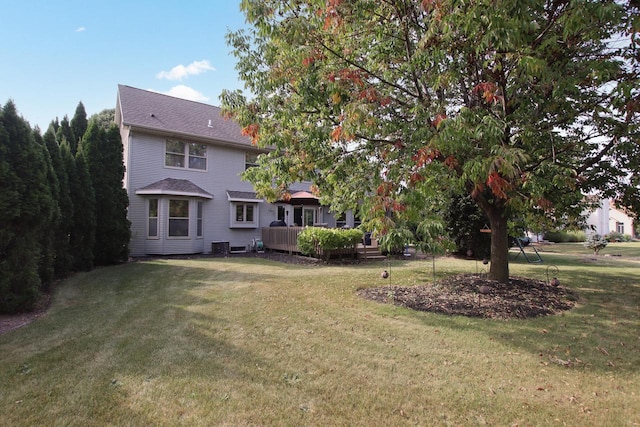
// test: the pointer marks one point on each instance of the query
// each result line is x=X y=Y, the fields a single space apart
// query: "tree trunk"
x=499 y=269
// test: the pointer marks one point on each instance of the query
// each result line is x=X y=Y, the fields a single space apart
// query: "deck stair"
x=369 y=252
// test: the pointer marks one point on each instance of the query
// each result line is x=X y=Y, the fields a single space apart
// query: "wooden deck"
x=370 y=252
x=285 y=239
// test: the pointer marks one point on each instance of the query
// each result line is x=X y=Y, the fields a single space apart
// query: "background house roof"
x=175 y=187
x=167 y=114
x=303 y=198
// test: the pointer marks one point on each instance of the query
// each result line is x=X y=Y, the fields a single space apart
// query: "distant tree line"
x=62 y=204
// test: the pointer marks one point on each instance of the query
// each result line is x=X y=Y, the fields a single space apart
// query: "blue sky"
x=57 y=53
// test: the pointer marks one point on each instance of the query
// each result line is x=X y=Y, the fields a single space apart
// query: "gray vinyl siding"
x=146 y=155
x=146 y=119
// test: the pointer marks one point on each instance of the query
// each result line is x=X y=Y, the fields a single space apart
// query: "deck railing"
x=285 y=239
x=281 y=238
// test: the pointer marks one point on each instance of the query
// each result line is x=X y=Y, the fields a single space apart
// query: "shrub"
x=464 y=220
x=596 y=243
x=395 y=240
x=563 y=236
x=317 y=241
x=617 y=237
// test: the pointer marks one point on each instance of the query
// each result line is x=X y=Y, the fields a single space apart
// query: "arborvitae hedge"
x=50 y=196
x=27 y=212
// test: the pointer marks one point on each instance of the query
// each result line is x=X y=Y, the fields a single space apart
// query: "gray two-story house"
x=183 y=164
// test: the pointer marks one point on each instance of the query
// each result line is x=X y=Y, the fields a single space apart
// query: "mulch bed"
x=9 y=322
x=473 y=295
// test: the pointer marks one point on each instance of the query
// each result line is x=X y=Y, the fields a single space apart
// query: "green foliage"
x=79 y=123
x=104 y=118
x=103 y=152
x=524 y=107
x=320 y=241
x=617 y=237
x=82 y=236
x=61 y=249
x=565 y=236
x=395 y=240
x=48 y=234
x=596 y=243
x=464 y=224
x=65 y=134
x=28 y=212
x=432 y=237
x=48 y=203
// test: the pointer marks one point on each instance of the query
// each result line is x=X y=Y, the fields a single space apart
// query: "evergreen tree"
x=48 y=235
x=64 y=133
x=55 y=124
x=104 y=154
x=26 y=211
x=63 y=258
x=79 y=122
x=82 y=235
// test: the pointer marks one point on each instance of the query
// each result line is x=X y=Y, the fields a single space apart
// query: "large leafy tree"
x=105 y=118
x=525 y=105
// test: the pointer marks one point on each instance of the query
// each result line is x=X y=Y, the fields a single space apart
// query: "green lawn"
x=244 y=341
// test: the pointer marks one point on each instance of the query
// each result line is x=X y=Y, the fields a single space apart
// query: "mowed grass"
x=245 y=341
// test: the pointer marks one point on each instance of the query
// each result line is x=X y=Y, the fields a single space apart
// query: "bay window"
x=199 y=220
x=152 y=229
x=178 y=218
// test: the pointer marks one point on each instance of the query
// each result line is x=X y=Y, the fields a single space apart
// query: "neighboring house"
x=183 y=163
x=609 y=219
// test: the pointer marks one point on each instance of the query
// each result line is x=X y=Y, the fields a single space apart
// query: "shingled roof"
x=242 y=196
x=143 y=109
x=175 y=187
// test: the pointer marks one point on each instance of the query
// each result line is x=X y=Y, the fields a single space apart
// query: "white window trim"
x=186 y=156
x=200 y=219
x=315 y=214
x=148 y=202
x=189 y=231
x=244 y=224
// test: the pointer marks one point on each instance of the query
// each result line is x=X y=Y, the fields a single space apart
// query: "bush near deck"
x=322 y=242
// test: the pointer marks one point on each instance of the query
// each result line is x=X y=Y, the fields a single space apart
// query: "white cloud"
x=80 y=29
x=180 y=71
x=184 y=92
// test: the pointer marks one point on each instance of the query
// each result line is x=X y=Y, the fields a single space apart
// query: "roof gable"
x=157 y=112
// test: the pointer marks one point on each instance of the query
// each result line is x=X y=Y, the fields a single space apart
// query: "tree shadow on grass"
x=142 y=333
x=599 y=333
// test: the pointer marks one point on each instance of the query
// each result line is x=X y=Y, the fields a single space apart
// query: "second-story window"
x=250 y=160
x=189 y=155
